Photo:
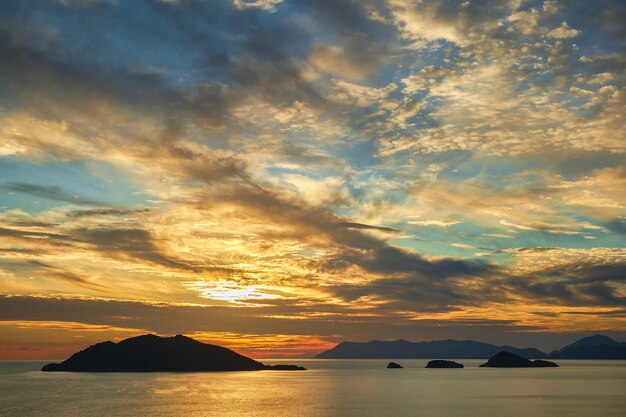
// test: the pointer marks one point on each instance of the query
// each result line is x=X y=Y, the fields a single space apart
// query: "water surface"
x=330 y=388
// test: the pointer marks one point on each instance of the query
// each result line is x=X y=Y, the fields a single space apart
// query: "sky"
x=279 y=176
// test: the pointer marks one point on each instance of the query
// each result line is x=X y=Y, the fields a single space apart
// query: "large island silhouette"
x=151 y=353
x=511 y=360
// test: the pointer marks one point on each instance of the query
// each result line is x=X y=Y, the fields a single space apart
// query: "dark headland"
x=511 y=360
x=151 y=353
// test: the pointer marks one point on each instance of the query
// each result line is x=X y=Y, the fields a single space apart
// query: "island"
x=151 y=353
x=443 y=364
x=393 y=365
x=510 y=360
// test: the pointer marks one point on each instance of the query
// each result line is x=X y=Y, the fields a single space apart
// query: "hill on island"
x=151 y=353
x=402 y=349
x=592 y=347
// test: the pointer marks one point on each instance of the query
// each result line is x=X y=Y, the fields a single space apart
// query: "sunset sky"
x=278 y=176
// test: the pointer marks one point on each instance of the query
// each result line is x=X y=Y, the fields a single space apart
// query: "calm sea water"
x=332 y=388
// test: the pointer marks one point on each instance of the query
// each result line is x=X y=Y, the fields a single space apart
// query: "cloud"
x=353 y=225
x=526 y=21
x=463 y=246
x=335 y=60
x=439 y=223
x=498 y=235
x=82 y=3
x=132 y=243
x=425 y=21
x=361 y=95
x=563 y=32
x=49 y=192
x=316 y=166
x=104 y=212
x=104 y=316
x=570 y=276
x=269 y=5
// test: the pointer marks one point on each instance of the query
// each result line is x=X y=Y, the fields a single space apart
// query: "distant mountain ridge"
x=402 y=349
x=592 y=347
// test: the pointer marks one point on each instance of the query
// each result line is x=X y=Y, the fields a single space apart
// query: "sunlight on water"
x=360 y=388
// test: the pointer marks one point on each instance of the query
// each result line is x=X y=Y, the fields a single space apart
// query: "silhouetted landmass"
x=401 y=349
x=592 y=347
x=151 y=353
x=393 y=365
x=510 y=360
x=443 y=364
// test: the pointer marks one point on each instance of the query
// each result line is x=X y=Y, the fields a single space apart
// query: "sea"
x=329 y=388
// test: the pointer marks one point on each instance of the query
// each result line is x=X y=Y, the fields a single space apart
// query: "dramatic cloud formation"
x=278 y=175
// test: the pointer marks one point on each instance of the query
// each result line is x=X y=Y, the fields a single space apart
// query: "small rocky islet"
x=438 y=363
x=502 y=359
x=393 y=365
